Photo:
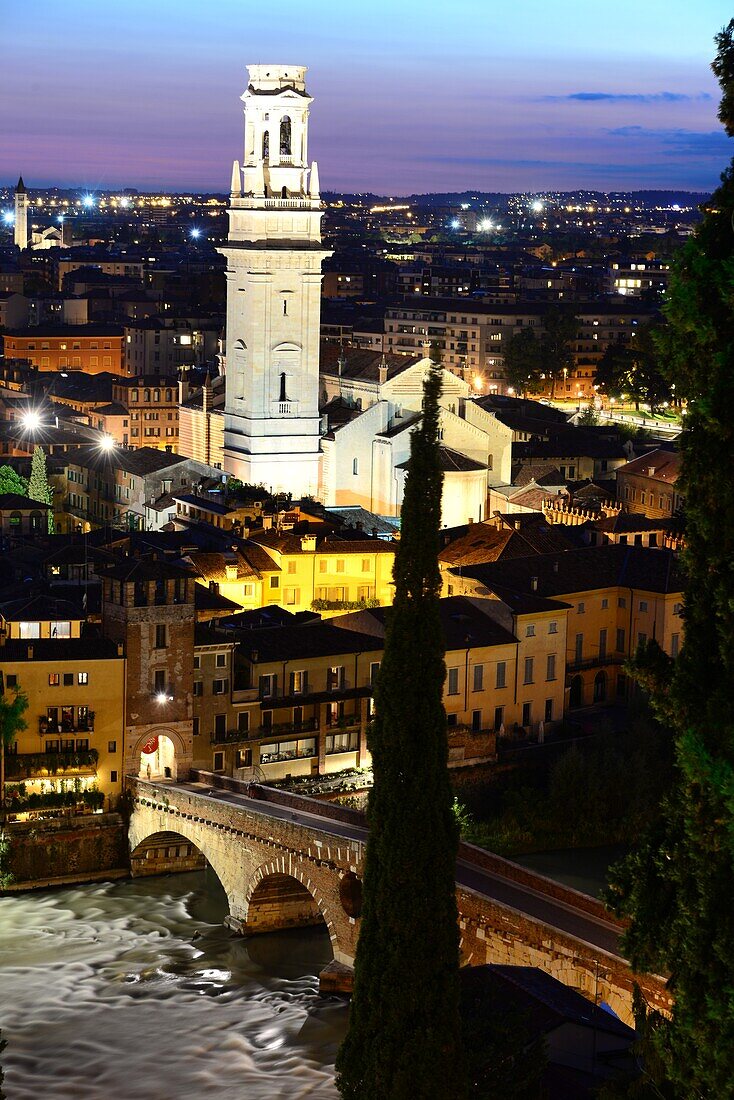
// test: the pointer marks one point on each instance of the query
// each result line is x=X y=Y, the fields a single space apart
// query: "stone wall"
x=75 y=849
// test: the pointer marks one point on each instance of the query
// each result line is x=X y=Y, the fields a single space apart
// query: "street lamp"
x=31 y=420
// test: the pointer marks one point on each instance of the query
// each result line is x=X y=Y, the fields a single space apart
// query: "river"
x=134 y=990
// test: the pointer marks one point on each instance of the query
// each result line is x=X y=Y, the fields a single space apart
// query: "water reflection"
x=135 y=991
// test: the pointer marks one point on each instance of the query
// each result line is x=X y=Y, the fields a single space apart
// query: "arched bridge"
x=286 y=861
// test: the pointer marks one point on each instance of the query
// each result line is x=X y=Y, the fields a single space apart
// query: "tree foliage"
x=39 y=487
x=404 y=1038
x=13 y=706
x=635 y=369
x=12 y=482
x=678 y=886
x=534 y=362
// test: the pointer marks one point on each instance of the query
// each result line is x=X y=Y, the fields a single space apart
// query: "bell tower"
x=21 y=215
x=274 y=255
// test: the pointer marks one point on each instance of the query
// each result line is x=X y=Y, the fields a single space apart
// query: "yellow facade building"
x=71 y=750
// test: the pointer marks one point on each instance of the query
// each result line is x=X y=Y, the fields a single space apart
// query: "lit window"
x=82 y=677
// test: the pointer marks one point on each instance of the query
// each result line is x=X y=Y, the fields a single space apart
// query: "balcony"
x=230 y=737
x=602 y=660
x=30 y=765
x=47 y=727
x=308 y=725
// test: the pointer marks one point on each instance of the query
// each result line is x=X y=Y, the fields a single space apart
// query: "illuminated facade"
x=20 y=232
x=274 y=256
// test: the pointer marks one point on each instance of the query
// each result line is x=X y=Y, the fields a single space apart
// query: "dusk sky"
x=410 y=95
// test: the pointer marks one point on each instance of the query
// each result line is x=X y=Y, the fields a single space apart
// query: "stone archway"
x=167 y=750
x=279 y=895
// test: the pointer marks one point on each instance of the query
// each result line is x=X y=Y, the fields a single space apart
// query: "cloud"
x=626 y=97
x=712 y=143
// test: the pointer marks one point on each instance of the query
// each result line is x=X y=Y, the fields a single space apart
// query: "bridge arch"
x=280 y=894
x=161 y=840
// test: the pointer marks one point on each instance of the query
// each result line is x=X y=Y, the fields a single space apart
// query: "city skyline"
x=539 y=100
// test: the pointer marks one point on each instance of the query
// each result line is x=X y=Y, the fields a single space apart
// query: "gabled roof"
x=362 y=363
x=660 y=465
x=18 y=503
x=40 y=609
x=486 y=542
x=451 y=462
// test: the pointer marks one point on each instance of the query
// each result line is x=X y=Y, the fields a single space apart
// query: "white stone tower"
x=21 y=215
x=274 y=255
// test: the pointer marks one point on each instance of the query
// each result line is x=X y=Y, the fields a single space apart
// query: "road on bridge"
x=531 y=903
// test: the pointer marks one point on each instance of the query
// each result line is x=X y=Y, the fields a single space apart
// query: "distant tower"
x=21 y=214
x=274 y=256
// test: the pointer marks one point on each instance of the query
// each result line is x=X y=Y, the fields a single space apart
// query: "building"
x=201 y=421
x=647 y=485
x=75 y=682
x=22 y=518
x=274 y=256
x=619 y=596
x=168 y=345
x=20 y=230
x=148 y=608
x=13 y=309
x=152 y=402
x=88 y=348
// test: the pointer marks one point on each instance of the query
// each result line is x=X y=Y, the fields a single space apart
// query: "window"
x=298 y=682
x=579 y=653
x=113 y=777
x=195 y=725
x=674 y=645
x=622 y=602
x=602 y=644
x=643 y=605
x=677 y=608
x=68 y=679
x=374 y=669
x=219 y=687
x=197 y=661
x=499 y=717
x=159 y=681
x=604 y=604
x=453 y=681
x=198 y=687
x=530 y=631
x=478 y=683
x=322 y=565
x=53 y=679
x=340 y=565
x=61 y=630
x=11 y=681
x=221 y=660
x=355 y=465
x=30 y=630
x=548 y=710
x=641 y=638
x=291 y=596
x=365 y=565
x=220 y=725
x=82 y=678
x=501 y=677
x=335 y=678
x=553 y=627
x=581 y=608
x=161 y=640
x=527 y=710
x=243 y=721
x=529 y=663
x=275 y=582
x=620 y=640
x=291 y=567
x=550 y=667
x=218 y=764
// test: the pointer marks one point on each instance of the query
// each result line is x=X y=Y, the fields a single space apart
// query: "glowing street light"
x=163 y=697
x=536 y=206
x=455 y=223
x=88 y=201
x=485 y=225
x=106 y=443
x=31 y=421
x=195 y=234
x=8 y=217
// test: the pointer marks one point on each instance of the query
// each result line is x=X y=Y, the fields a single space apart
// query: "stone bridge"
x=285 y=861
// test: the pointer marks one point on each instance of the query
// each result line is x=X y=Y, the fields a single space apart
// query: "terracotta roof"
x=362 y=363
x=659 y=465
x=484 y=542
x=451 y=462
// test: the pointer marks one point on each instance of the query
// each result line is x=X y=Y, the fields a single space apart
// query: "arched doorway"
x=577 y=692
x=600 y=687
x=157 y=758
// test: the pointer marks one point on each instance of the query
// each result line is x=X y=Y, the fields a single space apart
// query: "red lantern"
x=151 y=745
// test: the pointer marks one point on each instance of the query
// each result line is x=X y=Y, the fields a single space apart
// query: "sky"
x=410 y=96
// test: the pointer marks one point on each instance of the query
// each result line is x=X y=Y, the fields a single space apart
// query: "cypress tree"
x=38 y=484
x=404 y=1037
x=678 y=887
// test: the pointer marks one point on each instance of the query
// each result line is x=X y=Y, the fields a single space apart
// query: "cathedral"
x=293 y=422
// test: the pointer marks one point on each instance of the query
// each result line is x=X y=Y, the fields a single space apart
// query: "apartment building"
x=89 y=348
x=71 y=750
x=167 y=345
x=152 y=403
x=647 y=485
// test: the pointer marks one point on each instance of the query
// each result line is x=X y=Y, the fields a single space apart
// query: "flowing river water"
x=134 y=990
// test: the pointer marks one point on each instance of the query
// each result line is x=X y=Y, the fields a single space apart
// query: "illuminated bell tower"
x=21 y=215
x=274 y=255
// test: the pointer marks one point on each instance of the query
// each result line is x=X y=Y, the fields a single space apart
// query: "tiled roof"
x=451 y=462
x=61 y=649
x=484 y=542
x=362 y=363
x=659 y=465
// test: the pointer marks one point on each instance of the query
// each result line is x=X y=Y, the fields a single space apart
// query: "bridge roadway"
x=553 y=912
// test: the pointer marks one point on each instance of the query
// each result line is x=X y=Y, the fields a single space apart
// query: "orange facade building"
x=89 y=348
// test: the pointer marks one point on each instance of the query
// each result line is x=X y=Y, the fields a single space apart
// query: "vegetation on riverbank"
x=599 y=791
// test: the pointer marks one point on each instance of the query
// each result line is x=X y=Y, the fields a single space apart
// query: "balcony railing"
x=229 y=737
x=49 y=727
x=601 y=660
x=29 y=764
